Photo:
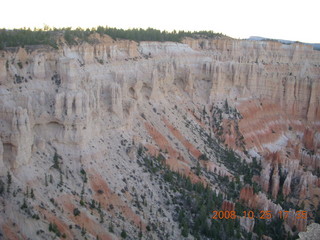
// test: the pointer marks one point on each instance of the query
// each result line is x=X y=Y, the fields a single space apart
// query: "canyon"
x=79 y=115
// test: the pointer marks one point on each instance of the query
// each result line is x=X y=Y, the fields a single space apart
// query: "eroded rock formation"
x=93 y=104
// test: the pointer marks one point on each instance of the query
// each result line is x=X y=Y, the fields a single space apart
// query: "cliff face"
x=83 y=101
x=287 y=74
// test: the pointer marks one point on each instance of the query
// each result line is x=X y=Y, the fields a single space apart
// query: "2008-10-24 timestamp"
x=261 y=215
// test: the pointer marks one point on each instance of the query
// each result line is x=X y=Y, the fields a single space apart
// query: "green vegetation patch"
x=50 y=36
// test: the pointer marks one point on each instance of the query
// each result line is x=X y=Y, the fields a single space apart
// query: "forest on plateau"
x=49 y=36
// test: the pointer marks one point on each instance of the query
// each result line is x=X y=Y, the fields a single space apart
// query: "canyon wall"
x=75 y=88
x=262 y=100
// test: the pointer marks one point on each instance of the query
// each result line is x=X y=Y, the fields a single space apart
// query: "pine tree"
x=9 y=181
x=83 y=231
x=101 y=216
x=82 y=190
x=198 y=169
x=61 y=180
x=56 y=163
x=111 y=227
x=185 y=230
x=123 y=234
x=2 y=187
x=226 y=106
x=140 y=232
x=24 y=204
x=32 y=194
x=93 y=204
x=50 y=227
x=45 y=180
x=81 y=196
x=27 y=192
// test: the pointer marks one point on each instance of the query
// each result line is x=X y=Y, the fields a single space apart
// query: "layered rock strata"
x=81 y=101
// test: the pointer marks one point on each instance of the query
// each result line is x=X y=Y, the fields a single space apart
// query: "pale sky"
x=284 y=19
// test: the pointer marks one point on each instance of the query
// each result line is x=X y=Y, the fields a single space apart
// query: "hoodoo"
x=110 y=135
